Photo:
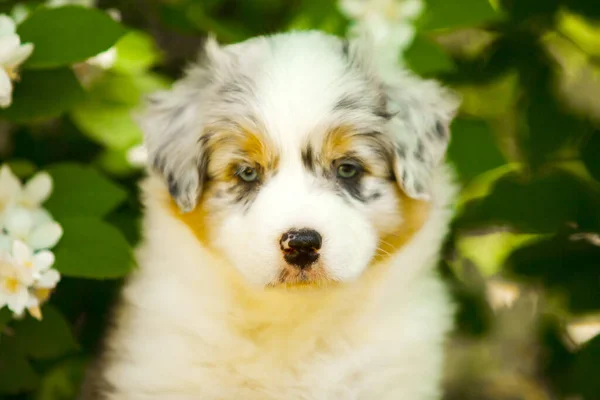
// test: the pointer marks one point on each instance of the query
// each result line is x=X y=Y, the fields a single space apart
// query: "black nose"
x=301 y=247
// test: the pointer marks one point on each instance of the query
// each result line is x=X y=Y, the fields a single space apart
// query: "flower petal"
x=17 y=302
x=7 y=26
x=20 y=54
x=19 y=13
x=18 y=223
x=137 y=156
x=48 y=280
x=40 y=216
x=8 y=46
x=37 y=190
x=104 y=60
x=45 y=236
x=6 y=89
x=10 y=186
x=21 y=252
x=411 y=9
x=43 y=260
x=35 y=312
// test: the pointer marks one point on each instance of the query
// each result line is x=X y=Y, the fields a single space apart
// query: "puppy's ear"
x=421 y=113
x=172 y=123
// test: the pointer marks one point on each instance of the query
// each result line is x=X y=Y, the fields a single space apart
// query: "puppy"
x=294 y=212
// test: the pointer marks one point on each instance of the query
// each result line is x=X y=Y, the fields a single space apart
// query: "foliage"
x=526 y=147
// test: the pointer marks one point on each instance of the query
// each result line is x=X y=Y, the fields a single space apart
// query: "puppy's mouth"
x=312 y=275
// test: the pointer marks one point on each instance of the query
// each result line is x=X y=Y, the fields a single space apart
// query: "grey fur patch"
x=308 y=158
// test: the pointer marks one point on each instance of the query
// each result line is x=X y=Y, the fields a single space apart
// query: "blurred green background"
x=523 y=256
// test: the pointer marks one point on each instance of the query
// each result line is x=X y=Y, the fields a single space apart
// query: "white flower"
x=104 y=60
x=13 y=194
x=32 y=195
x=137 y=156
x=34 y=227
x=389 y=11
x=26 y=279
x=9 y=186
x=12 y=54
x=388 y=22
x=15 y=280
x=21 y=214
x=19 y=13
x=26 y=231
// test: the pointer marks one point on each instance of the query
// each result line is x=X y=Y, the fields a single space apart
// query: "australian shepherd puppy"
x=294 y=212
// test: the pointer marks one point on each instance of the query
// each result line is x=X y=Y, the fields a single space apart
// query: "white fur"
x=199 y=324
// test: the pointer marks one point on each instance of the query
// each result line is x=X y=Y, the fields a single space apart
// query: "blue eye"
x=248 y=174
x=347 y=170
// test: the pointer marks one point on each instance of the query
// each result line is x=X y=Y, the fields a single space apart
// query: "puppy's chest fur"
x=350 y=348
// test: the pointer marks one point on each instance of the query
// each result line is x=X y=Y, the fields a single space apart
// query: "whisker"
x=383 y=251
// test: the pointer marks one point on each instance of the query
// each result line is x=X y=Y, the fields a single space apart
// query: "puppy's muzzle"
x=301 y=247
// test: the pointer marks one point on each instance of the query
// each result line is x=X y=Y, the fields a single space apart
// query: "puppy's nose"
x=301 y=247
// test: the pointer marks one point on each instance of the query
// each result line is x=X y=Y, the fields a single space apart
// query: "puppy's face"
x=295 y=160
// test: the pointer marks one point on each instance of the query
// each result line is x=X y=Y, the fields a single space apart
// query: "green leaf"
x=126 y=89
x=489 y=252
x=65 y=35
x=43 y=94
x=5 y=317
x=62 y=382
x=521 y=10
x=109 y=124
x=472 y=148
x=91 y=248
x=117 y=88
x=49 y=338
x=81 y=191
x=566 y=264
x=16 y=374
x=543 y=204
x=115 y=163
x=590 y=154
x=226 y=31
x=321 y=15
x=136 y=52
x=587 y=8
x=22 y=168
x=427 y=58
x=444 y=14
x=583 y=376
x=545 y=125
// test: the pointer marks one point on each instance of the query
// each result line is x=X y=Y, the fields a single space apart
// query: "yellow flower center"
x=42 y=294
x=12 y=73
x=11 y=285
x=28 y=264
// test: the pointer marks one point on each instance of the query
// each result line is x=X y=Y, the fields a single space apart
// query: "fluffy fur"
x=246 y=147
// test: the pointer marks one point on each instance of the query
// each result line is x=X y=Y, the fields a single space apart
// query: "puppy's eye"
x=348 y=170
x=248 y=174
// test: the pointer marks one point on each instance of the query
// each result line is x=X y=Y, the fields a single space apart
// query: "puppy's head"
x=296 y=158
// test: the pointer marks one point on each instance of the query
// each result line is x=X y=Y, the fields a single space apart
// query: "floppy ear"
x=422 y=112
x=172 y=123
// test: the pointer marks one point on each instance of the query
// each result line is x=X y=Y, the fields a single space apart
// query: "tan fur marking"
x=415 y=213
x=338 y=143
x=198 y=220
x=260 y=149
x=230 y=148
